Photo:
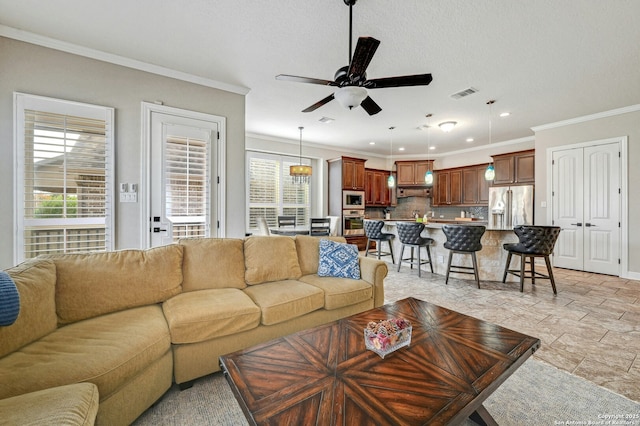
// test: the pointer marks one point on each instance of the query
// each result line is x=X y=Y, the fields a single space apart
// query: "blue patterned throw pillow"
x=9 y=300
x=338 y=260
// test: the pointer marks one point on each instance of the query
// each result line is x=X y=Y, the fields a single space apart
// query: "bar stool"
x=373 y=230
x=463 y=239
x=409 y=235
x=533 y=241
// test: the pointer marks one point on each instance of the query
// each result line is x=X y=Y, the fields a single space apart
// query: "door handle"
x=577 y=224
x=589 y=225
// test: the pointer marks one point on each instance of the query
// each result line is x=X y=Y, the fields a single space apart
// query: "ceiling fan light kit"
x=350 y=96
x=447 y=126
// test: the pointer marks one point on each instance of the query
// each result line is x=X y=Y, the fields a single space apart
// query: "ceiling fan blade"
x=362 y=56
x=298 y=79
x=319 y=104
x=406 y=80
x=370 y=106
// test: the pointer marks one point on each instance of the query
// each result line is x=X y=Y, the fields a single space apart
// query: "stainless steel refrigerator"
x=510 y=206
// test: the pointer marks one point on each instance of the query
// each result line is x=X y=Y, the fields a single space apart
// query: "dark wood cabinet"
x=448 y=187
x=483 y=186
x=514 y=168
x=353 y=176
x=377 y=193
x=475 y=188
x=411 y=173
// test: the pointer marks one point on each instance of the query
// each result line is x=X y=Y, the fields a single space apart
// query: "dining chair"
x=286 y=221
x=333 y=227
x=463 y=239
x=533 y=241
x=320 y=227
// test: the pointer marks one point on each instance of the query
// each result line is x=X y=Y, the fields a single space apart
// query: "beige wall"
x=42 y=71
x=626 y=124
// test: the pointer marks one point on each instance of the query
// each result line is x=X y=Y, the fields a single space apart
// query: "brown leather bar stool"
x=533 y=241
x=409 y=235
x=373 y=230
x=463 y=239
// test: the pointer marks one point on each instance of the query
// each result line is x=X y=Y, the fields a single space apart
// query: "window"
x=272 y=191
x=64 y=177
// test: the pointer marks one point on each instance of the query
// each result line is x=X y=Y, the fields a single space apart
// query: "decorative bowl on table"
x=386 y=336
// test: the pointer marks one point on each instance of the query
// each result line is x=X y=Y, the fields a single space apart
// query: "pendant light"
x=391 y=181
x=428 y=177
x=300 y=173
x=490 y=173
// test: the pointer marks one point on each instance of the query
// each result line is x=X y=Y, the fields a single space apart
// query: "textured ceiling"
x=542 y=60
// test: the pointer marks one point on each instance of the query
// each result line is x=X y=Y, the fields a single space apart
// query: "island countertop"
x=491 y=259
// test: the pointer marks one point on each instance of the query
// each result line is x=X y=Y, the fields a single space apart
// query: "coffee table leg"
x=482 y=417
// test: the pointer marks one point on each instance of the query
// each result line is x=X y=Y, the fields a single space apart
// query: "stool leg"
x=550 y=273
x=475 y=268
x=400 y=259
x=533 y=270
x=391 y=251
x=506 y=267
x=379 y=246
x=366 y=252
x=429 y=255
x=419 y=268
x=446 y=280
x=523 y=261
x=411 y=261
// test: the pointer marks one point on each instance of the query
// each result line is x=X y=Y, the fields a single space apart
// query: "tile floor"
x=590 y=329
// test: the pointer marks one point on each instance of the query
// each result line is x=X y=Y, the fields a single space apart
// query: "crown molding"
x=86 y=52
x=585 y=118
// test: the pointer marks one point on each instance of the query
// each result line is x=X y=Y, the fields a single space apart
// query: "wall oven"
x=353 y=222
x=352 y=200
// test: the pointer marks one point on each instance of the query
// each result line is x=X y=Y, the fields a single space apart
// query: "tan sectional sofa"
x=132 y=322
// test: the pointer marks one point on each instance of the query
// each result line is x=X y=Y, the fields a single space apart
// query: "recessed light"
x=372 y=143
x=401 y=148
x=432 y=147
x=505 y=114
x=469 y=139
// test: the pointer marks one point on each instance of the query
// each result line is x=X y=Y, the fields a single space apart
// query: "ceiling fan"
x=352 y=81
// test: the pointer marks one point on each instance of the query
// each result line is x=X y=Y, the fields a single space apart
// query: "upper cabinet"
x=411 y=173
x=377 y=193
x=353 y=176
x=447 y=187
x=465 y=186
x=514 y=168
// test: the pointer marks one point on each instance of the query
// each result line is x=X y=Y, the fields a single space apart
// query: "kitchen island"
x=491 y=259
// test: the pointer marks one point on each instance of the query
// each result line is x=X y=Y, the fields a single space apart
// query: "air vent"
x=326 y=120
x=463 y=93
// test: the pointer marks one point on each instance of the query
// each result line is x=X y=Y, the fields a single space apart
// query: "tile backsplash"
x=406 y=206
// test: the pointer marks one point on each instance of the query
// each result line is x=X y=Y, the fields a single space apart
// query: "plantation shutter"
x=65 y=174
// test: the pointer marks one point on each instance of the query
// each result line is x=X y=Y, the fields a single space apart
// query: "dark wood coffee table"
x=325 y=376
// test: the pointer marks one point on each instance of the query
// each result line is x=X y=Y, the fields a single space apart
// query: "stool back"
x=463 y=237
x=409 y=232
x=536 y=239
x=373 y=229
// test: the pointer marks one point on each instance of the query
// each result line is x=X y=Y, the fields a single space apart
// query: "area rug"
x=536 y=394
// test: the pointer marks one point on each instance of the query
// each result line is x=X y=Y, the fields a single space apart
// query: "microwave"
x=353 y=200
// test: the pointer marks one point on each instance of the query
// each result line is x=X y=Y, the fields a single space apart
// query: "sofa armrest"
x=374 y=271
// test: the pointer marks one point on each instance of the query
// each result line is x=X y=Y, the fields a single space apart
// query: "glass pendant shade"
x=350 y=96
x=490 y=173
x=391 y=181
x=428 y=177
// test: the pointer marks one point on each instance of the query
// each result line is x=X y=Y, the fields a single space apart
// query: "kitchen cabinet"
x=411 y=173
x=475 y=188
x=353 y=176
x=377 y=193
x=448 y=187
x=483 y=186
x=514 y=168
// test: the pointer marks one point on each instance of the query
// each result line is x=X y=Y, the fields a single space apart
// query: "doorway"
x=587 y=204
x=182 y=175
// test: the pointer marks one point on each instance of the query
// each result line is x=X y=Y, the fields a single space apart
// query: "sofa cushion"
x=284 y=300
x=69 y=405
x=89 y=285
x=212 y=263
x=36 y=282
x=197 y=316
x=308 y=249
x=340 y=292
x=269 y=259
x=108 y=351
x=338 y=260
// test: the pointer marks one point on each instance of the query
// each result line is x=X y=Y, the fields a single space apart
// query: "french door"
x=183 y=178
x=587 y=206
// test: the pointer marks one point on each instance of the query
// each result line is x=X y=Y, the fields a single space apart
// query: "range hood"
x=414 y=192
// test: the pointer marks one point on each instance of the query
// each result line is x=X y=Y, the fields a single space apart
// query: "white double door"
x=587 y=206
